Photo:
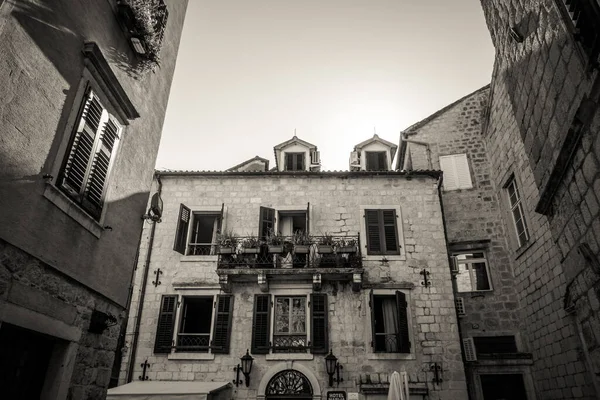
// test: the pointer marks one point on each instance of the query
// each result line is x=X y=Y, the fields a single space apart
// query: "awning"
x=170 y=390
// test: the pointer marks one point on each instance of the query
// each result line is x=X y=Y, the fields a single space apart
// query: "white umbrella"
x=396 y=391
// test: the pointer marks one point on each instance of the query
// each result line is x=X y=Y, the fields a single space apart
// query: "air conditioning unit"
x=315 y=157
x=460 y=306
x=354 y=159
x=469 y=348
x=453 y=265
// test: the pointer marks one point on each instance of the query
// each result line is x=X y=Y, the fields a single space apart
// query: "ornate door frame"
x=274 y=370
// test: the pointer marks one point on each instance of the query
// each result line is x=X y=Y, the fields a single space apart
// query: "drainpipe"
x=404 y=138
x=138 y=318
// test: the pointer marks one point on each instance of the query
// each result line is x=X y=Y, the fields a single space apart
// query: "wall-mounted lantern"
x=245 y=367
x=333 y=367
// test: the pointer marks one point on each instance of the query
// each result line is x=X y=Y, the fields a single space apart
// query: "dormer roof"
x=376 y=138
x=294 y=140
x=253 y=164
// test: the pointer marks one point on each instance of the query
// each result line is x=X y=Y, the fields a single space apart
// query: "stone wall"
x=335 y=208
x=537 y=89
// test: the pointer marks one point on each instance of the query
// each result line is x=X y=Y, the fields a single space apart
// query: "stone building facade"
x=80 y=124
x=367 y=302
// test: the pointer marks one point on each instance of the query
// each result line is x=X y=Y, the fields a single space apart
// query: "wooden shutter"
x=469 y=349
x=300 y=162
x=372 y=305
x=220 y=219
x=371 y=161
x=261 y=324
x=100 y=167
x=463 y=175
x=381 y=161
x=307 y=218
x=403 y=336
x=447 y=166
x=266 y=222
x=76 y=170
x=373 y=238
x=182 y=229
x=166 y=323
x=222 y=326
x=390 y=231
x=319 y=328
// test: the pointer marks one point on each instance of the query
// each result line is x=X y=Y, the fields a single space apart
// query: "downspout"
x=138 y=318
x=404 y=138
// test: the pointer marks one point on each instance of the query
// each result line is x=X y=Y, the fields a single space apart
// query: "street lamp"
x=246 y=368
x=333 y=367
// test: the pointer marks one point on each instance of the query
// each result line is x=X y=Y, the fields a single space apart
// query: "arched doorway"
x=289 y=384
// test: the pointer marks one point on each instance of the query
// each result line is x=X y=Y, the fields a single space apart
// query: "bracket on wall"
x=425 y=282
x=225 y=283
x=437 y=373
x=157 y=282
x=356 y=282
x=384 y=260
x=316 y=282
x=263 y=282
x=145 y=366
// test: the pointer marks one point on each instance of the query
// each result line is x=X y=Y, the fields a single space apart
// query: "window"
x=376 y=161
x=197 y=231
x=389 y=323
x=471 y=272
x=516 y=208
x=204 y=324
x=299 y=323
x=381 y=232
x=494 y=344
x=456 y=172
x=285 y=222
x=91 y=154
x=294 y=162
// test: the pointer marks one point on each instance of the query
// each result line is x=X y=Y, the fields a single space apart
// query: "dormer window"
x=294 y=162
x=376 y=161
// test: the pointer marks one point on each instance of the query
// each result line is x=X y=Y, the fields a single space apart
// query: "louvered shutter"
x=463 y=175
x=318 y=314
x=100 y=167
x=222 y=326
x=266 y=222
x=372 y=305
x=373 y=237
x=403 y=336
x=76 y=170
x=261 y=324
x=390 y=231
x=182 y=229
x=307 y=218
x=372 y=161
x=447 y=166
x=289 y=161
x=381 y=161
x=220 y=221
x=469 y=349
x=300 y=162
x=166 y=323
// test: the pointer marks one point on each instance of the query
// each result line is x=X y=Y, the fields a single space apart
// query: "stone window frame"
x=370 y=352
x=487 y=268
x=524 y=370
x=399 y=231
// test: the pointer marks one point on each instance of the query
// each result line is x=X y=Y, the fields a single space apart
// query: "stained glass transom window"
x=289 y=382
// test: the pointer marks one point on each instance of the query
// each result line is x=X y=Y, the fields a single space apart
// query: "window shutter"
x=261 y=324
x=318 y=312
x=403 y=336
x=289 y=162
x=469 y=348
x=463 y=175
x=447 y=166
x=266 y=222
x=220 y=221
x=166 y=323
x=222 y=327
x=76 y=170
x=373 y=238
x=100 y=167
x=372 y=305
x=307 y=218
x=390 y=231
x=300 y=162
x=381 y=161
x=372 y=161
x=182 y=229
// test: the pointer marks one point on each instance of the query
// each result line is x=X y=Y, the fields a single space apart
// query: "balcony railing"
x=319 y=252
x=193 y=342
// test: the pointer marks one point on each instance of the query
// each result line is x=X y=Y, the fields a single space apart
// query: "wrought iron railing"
x=289 y=343
x=201 y=249
x=387 y=343
x=318 y=252
x=199 y=342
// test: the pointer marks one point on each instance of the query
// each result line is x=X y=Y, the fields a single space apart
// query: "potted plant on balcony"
x=302 y=242
x=325 y=245
x=275 y=242
x=250 y=245
x=347 y=245
x=227 y=242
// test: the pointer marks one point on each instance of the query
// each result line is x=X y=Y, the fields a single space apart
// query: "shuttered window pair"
x=197 y=314
x=382 y=232
x=456 y=172
x=294 y=162
x=91 y=154
x=389 y=323
x=290 y=334
x=200 y=240
x=376 y=161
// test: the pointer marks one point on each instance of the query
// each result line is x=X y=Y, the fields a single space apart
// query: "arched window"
x=289 y=384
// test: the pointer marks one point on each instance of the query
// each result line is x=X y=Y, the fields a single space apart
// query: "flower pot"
x=226 y=250
x=325 y=249
x=301 y=248
x=347 y=249
x=275 y=249
x=250 y=250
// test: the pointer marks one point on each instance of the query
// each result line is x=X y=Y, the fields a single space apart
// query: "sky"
x=251 y=73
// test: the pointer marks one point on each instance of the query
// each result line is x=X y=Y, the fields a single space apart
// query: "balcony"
x=319 y=257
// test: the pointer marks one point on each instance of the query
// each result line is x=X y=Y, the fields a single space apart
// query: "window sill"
x=198 y=258
x=191 y=356
x=69 y=207
x=379 y=257
x=523 y=249
x=289 y=356
x=391 y=356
